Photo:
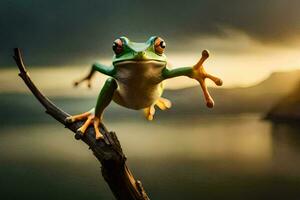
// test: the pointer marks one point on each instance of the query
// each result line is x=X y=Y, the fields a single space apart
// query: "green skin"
x=136 y=80
x=136 y=76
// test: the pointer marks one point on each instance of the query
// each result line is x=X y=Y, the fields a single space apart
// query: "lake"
x=203 y=157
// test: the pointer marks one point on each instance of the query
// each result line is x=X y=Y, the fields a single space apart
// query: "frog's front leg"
x=196 y=72
x=109 y=71
x=94 y=116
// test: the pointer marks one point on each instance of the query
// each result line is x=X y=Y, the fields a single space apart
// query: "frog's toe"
x=163 y=103
x=69 y=120
x=78 y=135
x=149 y=112
x=98 y=134
x=79 y=117
x=150 y=117
x=81 y=131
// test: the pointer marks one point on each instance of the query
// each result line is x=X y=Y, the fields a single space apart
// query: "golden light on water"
x=212 y=138
x=207 y=139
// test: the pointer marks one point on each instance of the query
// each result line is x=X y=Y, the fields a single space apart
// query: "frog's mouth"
x=140 y=62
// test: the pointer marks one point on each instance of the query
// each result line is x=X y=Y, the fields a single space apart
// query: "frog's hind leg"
x=162 y=103
x=94 y=116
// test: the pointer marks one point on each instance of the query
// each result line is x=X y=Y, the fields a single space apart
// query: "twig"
x=107 y=151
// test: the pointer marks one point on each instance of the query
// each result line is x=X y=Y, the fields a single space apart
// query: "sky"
x=247 y=40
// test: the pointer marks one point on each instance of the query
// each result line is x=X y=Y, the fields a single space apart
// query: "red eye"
x=117 y=46
x=159 y=45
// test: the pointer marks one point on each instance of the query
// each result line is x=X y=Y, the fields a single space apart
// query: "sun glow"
x=236 y=58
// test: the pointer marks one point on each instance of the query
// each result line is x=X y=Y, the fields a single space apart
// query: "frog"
x=136 y=80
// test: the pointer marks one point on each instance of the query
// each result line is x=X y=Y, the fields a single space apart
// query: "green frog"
x=136 y=79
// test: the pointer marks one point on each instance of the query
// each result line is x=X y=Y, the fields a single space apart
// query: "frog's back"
x=139 y=83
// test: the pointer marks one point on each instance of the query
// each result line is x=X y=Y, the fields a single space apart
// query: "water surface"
x=205 y=157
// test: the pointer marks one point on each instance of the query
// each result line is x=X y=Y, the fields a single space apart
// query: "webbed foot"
x=91 y=119
x=162 y=103
x=200 y=75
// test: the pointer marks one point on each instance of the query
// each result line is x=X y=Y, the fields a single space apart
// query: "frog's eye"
x=117 y=46
x=159 y=45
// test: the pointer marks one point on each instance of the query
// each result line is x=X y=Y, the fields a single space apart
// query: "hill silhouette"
x=287 y=109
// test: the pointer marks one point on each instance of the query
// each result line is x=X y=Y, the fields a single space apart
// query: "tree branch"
x=107 y=151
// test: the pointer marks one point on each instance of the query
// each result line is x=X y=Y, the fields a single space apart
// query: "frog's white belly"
x=139 y=83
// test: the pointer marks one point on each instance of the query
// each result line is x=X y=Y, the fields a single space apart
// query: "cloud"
x=75 y=32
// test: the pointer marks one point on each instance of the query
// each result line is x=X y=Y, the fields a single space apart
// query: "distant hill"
x=19 y=107
x=287 y=109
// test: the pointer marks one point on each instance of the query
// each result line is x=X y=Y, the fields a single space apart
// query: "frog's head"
x=151 y=50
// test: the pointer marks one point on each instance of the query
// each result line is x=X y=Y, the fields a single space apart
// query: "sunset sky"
x=247 y=39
